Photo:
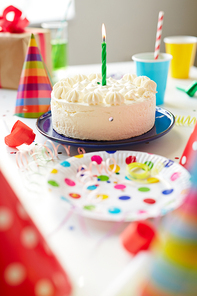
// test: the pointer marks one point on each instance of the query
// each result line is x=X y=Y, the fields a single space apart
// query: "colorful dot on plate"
x=150 y=164
x=54 y=171
x=149 y=201
x=114 y=210
x=167 y=191
x=102 y=196
x=53 y=183
x=168 y=163
x=65 y=199
x=69 y=182
x=124 y=197
x=89 y=207
x=130 y=159
x=97 y=159
x=92 y=187
x=111 y=167
x=79 y=156
x=65 y=164
x=142 y=212
x=103 y=178
x=74 y=195
x=175 y=176
x=153 y=180
x=144 y=189
x=120 y=186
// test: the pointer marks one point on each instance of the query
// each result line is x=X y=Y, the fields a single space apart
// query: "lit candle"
x=104 y=55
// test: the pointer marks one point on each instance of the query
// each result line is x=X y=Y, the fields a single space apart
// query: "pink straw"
x=158 y=35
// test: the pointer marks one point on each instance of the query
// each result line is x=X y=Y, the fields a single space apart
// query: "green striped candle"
x=104 y=56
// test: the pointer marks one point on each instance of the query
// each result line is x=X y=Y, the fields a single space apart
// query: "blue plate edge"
x=107 y=144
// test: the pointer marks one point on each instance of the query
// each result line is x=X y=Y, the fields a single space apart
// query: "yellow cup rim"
x=180 y=39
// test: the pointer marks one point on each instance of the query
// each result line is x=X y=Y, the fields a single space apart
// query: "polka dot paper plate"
x=119 y=185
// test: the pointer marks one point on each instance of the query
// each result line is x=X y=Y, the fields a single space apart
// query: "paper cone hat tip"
x=32 y=36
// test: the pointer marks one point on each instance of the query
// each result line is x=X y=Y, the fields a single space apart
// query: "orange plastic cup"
x=183 y=51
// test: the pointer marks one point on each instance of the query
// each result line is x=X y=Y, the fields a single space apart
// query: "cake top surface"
x=89 y=90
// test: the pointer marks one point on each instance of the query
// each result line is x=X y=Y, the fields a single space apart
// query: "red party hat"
x=34 y=91
x=190 y=150
x=28 y=267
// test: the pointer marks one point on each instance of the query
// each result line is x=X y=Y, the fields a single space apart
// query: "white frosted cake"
x=84 y=109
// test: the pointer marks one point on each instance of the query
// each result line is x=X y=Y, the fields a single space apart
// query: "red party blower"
x=137 y=236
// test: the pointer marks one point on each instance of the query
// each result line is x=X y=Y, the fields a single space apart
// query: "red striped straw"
x=158 y=35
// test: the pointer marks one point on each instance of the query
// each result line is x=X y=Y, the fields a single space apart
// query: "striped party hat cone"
x=174 y=267
x=34 y=91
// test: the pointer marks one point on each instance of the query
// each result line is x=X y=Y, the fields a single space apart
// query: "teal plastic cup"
x=156 y=70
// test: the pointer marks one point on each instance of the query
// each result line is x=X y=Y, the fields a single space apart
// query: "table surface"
x=88 y=249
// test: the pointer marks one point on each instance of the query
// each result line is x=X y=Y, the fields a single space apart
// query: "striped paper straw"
x=158 y=35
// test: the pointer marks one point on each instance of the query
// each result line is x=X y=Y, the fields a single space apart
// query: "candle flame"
x=103 y=33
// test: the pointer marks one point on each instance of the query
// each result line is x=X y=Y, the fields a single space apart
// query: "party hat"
x=174 y=267
x=187 y=157
x=34 y=91
x=28 y=267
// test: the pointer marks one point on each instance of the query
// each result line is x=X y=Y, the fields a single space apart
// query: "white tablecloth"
x=94 y=259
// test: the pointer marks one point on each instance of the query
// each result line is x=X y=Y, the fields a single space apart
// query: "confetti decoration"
x=138 y=236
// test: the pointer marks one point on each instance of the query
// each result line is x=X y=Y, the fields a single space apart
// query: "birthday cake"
x=84 y=109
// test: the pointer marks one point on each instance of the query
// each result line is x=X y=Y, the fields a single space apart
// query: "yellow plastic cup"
x=183 y=51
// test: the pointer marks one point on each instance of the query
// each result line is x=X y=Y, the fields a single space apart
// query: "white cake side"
x=84 y=109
